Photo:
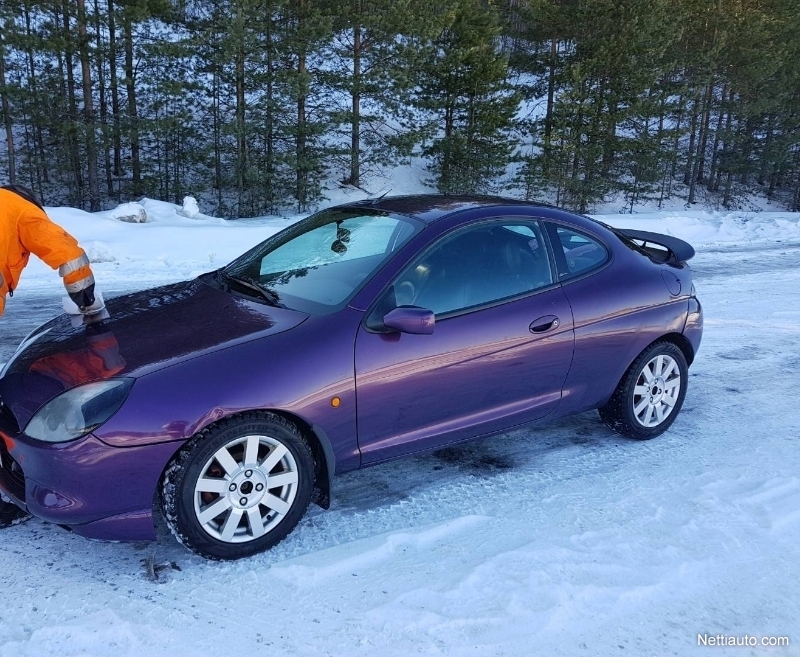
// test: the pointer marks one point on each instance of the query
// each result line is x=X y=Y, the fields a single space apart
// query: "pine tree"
x=464 y=88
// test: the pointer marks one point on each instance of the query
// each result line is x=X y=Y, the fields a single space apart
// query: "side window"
x=581 y=253
x=477 y=266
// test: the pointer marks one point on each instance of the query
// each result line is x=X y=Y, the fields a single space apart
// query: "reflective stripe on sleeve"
x=82 y=284
x=73 y=265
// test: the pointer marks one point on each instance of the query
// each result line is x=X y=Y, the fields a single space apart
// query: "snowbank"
x=172 y=246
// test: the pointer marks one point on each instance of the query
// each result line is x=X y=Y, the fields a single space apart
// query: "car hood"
x=142 y=332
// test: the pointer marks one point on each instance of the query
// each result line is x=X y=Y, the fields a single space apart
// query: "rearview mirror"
x=410 y=319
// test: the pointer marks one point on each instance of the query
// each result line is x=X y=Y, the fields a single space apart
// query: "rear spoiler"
x=677 y=250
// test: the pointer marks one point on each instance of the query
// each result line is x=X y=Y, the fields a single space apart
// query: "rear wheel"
x=240 y=487
x=650 y=395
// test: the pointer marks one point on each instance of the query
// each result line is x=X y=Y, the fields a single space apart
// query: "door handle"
x=543 y=324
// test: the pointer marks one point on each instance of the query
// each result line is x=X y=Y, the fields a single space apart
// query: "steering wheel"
x=405 y=293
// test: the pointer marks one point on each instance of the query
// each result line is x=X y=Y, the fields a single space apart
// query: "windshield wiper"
x=268 y=295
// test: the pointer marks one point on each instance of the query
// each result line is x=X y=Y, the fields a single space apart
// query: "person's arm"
x=58 y=249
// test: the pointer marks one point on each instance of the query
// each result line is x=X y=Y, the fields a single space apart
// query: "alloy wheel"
x=245 y=489
x=657 y=390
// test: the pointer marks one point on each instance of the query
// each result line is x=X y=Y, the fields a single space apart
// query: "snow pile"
x=98 y=252
x=170 y=246
x=130 y=213
x=190 y=207
x=706 y=228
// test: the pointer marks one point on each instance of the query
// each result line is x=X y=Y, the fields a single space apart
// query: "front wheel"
x=240 y=487
x=650 y=395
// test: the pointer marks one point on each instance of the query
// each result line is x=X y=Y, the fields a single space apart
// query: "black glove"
x=84 y=298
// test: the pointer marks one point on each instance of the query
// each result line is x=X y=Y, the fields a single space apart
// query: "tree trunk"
x=101 y=82
x=355 y=129
x=687 y=172
x=241 y=141
x=88 y=109
x=697 y=169
x=301 y=164
x=215 y=99
x=270 y=180
x=609 y=146
x=133 y=116
x=302 y=172
x=796 y=204
x=551 y=92
x=747 y=150
x=12 y=172
x=112 y=68
x=712 y=185
x=766 y=159
x=701 y=151
x=726 y=201
x=39 y=159
x=724 y=164
x=73 y=106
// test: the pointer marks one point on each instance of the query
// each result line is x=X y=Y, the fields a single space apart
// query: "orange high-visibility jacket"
x=26 y=229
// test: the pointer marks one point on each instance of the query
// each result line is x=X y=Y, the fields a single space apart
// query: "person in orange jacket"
x=25 y=228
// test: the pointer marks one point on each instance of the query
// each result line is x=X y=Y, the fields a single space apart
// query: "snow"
x=131 y=213
x=190 y=207
x=560 y=539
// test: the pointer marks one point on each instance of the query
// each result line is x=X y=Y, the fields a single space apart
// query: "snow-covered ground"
x=562 y=539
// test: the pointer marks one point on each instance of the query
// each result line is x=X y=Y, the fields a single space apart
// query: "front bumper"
x=85 y=485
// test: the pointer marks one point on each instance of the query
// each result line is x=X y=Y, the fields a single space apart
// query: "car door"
x=499 y=353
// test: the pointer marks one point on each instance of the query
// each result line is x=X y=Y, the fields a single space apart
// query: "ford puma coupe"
x=363 y=333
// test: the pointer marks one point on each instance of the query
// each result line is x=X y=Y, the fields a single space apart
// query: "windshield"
x=317 y=265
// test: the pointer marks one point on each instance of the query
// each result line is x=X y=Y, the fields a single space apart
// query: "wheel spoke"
x=669 y=385
x=206 y=516
x=648 y=416
x=251 y=452
x=276 y=504
x=659 y=366
x=669 y=401
x=659 y=413
x=641 y=390
x=255 y=521
x=272 y=459
x=641 y=406
x=231 y=524
x=648 y=375
x=282 y=479
x=225 y=459
x=668 y=371
x=208 y=485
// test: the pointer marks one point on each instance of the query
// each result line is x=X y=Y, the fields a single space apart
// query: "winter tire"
x=239 y=487
x=650 y=394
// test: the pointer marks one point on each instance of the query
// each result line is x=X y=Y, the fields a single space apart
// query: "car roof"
x=430 y=207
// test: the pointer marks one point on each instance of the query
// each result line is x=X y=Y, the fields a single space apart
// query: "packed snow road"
x=563 y=539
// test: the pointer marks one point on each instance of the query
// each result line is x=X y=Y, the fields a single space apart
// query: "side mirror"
x=410 y=319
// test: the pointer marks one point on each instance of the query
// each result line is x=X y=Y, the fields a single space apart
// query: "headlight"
x=78 y=411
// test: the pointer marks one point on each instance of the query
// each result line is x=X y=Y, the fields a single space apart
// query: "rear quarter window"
x=576 y=253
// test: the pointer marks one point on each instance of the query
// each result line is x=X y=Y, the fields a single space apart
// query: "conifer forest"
x=254 y=106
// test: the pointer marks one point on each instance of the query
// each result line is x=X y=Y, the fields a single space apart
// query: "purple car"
x=366 y=332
